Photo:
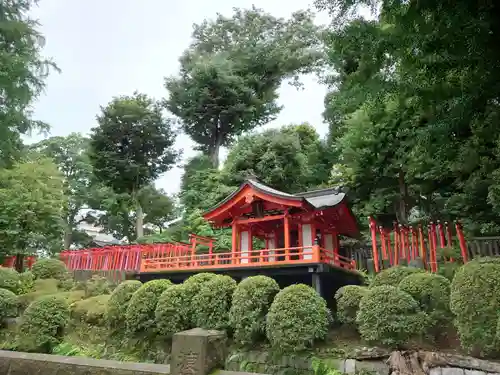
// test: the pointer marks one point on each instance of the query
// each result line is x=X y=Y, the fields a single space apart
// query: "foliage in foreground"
x=42 y=325
x=298 y=317
x=394 y=275
x=118 y=303
x=475 y=302
x=171 y=314
x=8 y=305
x=49 y=269
x=389 y=316
x=251 y=302
x=348 y=298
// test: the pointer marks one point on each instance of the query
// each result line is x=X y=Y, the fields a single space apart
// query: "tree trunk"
x=19 y=266
x=68 y=237
x=403 y=196
x=139 y=218
x=214 y=150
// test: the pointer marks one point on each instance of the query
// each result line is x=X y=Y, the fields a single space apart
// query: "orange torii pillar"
x=373 y=230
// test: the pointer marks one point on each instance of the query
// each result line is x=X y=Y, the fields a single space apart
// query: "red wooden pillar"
x=286 y=230
x=234 y=241
x=423 y=253
x=373 y=230
x=461 y=240
x=250 y=259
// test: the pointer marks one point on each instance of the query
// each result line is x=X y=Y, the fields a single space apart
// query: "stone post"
x=197 y=352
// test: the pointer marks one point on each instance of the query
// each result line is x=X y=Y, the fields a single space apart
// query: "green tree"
x=158 y=207
x=70 y=154
x=288 y=159
x=232 y=70
x=132 y=146
x=32 y=202
x=22 y=75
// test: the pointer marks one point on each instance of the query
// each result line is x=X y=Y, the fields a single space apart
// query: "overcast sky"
x=113 y=47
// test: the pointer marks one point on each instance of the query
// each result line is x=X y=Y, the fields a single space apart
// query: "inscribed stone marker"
x=197 y=352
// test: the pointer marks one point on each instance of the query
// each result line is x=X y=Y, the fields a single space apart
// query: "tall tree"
x=158 y=207
x=415 y=103
x=132 y=146
x=287 y=159
x=230 y=74
x=22 y=74
x=31 y=205
x=70 y=154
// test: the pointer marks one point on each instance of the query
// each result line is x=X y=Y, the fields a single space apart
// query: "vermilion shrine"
x=293 y=238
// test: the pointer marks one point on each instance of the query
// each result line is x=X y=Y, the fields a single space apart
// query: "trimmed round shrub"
x=49 y=269
x=171 y=310
x=348 y=298
x=297 y=318
x=26 y=282
x=251 y=301
x=119 y=301
x=91 y=310
x=8 y=305
x=394 y=275
x=9 y=279
x=140 y=315
x=212 y=303
x=389 y=316
x=42 y=325
x=193 y=285
x=432 y=292
x=475 y=302
x=96 y=286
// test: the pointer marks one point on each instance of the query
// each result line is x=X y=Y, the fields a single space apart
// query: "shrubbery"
x=251 y=301
x=119 y=301
x=96 y=286
x=211 y=305
x=348 y=298
x=475 y=301
x=49 y=269
x=91 y=310
x=394 y=275
x=389 y=316
x=193 y=285
x=8 y=305
x=26 y=282
x=42 y=325
x=297 y=317
x=432 y=292
x=172 y=310
x=9 y=279
x=140 y=315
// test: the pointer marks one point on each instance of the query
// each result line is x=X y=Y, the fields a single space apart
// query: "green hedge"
x=348 y=298
x=211 y=305
x=394 y=275
x=8 y=305
x=49 y=269
x=172 y=310
x=116 y=310
x=475 y=302
x=432 y=292
x=97 y=285
x=140 y=315
x=91 y=310
x=251 y=301
x=193 y=285
x=42 y=325
x=389 y=316
x=9 y=279
x=26 y=282
x=297 y=318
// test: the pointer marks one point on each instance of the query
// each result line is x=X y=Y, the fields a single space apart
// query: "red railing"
x=178 y=257
x=10 y=261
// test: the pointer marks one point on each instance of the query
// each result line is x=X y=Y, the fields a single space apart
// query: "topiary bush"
x=91 y=310
x=26 y=282
x=212 y=303
x=42 y=325
x=49 y=269
x=475 y=302
x=432 y=292
x=171 y=311
x=251 y=301
x=118 y=303
x=140 y=315
x=297 y=318
x=8 y=305
x=96 y=286
x=348 y=298
x=9 y=279
x=42 y=287
x=394 y=275
x=193 y=285
x=389 y=316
